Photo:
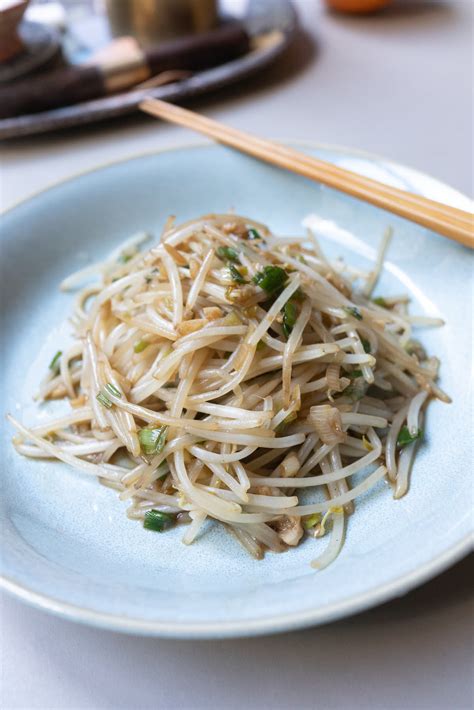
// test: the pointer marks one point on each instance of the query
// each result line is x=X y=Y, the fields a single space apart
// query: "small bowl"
x=152 y=21
x=10 y=17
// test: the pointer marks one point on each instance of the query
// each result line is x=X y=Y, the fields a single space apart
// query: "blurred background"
x=391 y=78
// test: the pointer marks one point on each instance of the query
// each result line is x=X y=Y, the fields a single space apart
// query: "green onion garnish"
x=236 y=275
x=404 y=438
x=354 y=392
x=358 y=387
x=311 y=521
x=123 y=258
x=253 y=234
x=152 y=441
x=108 y=389
x=112 y=389
x=54 y=364
x=104 y=400
x=271 y=278
x=157 y=521
x=287 y=420
x=353 y=311
x=289 y=317
x=140 y=346
x=365 y=345
x=227 y=254
x=380 y=301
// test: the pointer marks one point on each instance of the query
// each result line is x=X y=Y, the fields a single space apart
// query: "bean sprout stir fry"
x=231 y=375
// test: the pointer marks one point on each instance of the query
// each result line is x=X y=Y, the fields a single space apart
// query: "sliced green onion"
x=358 y=387
x=253 y=234
x=271 y=278
x=380 y=301
x=54 y=364
x=236 y=275
x=227 y=254
x=123 y=258
x=289 y=317
x=152 y=441
x=157 y=521
x=365 y=345
x=311 y=521
x=104 y=400
x=353 y=311
x=140 y=346
x=108 y=389
x=287 y=420
x=112 y=389
x=404 y=438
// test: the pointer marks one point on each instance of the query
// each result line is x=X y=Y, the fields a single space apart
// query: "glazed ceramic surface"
x=67 y=545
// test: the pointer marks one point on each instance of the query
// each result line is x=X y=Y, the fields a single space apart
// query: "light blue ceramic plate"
x=67 y=544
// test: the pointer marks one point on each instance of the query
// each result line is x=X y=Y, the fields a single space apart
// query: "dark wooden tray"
x=270 y=23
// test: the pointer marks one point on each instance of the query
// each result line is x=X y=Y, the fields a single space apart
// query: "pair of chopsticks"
x=449 y=221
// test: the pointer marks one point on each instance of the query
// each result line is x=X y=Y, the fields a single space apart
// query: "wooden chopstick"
x=449 y=221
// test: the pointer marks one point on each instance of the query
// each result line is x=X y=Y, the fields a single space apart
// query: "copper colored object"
x=153 y=20
x=357 y=7
x=10 y=40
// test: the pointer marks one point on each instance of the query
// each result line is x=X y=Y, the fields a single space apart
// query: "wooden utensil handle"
x=72 y=85
x=58 y=88
x=451 y=222
x=200 y=51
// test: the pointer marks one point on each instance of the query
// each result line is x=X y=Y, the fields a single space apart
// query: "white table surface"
x=400 y=85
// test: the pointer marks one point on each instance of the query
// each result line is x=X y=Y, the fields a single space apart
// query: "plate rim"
x=205 y=143
x=238 y=629
x=396 y=587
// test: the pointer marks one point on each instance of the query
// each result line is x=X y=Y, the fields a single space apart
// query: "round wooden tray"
x=271 y=25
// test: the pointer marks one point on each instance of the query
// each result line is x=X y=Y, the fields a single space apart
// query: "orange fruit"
x=357 y=6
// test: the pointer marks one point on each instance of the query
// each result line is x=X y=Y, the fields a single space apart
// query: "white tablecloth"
x=398 y=84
